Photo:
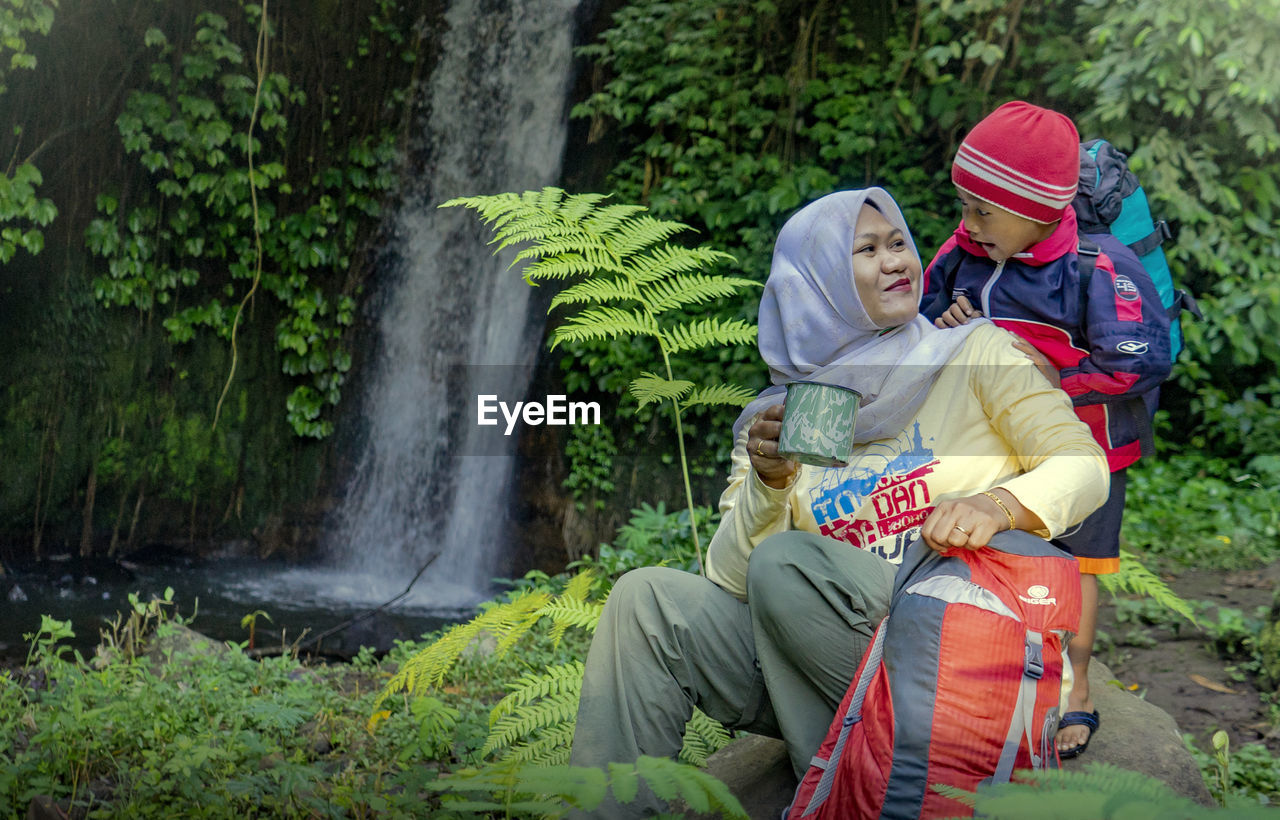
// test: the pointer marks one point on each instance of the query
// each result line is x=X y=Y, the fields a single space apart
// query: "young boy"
x=1015 y=258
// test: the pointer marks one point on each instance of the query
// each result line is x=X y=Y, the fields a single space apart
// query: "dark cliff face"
x=106 y=423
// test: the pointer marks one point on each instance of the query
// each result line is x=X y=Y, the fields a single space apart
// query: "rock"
x=1133 y=735
x=758 y=772
x=1139 y=736
x=177 y=639
x=43 y=807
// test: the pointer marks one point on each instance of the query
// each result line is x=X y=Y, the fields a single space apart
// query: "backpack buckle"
x=1033 y=662
x=1086 y=247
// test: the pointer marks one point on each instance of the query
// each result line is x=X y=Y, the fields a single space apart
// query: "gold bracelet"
x=1013 y=525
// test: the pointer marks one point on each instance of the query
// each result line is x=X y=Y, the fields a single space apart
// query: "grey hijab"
x=814 y=327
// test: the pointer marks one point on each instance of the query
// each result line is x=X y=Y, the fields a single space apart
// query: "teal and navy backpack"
x=1110 y=200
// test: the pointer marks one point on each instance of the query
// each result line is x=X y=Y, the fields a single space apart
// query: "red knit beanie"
x=1023 y=158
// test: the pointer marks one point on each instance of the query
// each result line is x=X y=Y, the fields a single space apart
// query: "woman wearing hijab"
x=958 y=436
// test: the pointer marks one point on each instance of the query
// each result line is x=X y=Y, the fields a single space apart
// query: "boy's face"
x=999 y=232
x=886 y=273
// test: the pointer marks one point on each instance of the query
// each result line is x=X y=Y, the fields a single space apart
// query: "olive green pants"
x=777 y=665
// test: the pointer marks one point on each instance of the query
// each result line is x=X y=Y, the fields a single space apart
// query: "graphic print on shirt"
x=887 y=486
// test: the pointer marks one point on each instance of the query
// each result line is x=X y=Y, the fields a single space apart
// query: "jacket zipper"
x=986 y=289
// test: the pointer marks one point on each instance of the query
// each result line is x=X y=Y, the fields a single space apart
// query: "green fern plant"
x=1135 y=578
x=631 y=282
x=1098 y=792
x=534 y=723
x=544 y=791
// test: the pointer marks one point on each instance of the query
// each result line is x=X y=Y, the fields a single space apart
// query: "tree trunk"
x=137 y=510
x=86 y=526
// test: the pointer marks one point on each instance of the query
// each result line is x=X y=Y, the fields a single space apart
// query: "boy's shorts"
x=1096 y=542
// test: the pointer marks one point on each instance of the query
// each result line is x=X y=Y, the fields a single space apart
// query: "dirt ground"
x=1182 y=672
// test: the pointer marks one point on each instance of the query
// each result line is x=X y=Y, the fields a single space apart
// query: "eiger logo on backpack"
x=1132 y=346
x=1039 y=596
x=1126 y=289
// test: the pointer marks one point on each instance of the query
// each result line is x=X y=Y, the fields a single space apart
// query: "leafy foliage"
x=1239 y=777
x=1098 y=792
x=222 y=215
x=1135 y=578
x=19 y=204
x=651 y=537
x=633 y=284
x=1188 y=510
x=730 y=121
x=542 y=791
x=201 y=729
x=534 y=722
x=1189 y=88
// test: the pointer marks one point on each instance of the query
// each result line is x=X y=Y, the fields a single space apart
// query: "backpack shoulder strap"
x=1086 y=263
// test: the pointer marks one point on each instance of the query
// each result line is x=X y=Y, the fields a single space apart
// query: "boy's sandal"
x=1091 y=720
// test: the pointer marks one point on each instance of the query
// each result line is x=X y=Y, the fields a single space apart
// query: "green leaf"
x=650 y=388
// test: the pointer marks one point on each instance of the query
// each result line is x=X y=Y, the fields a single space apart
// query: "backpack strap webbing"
x=1153 y=240
x=1024 y=713
x=853 y=716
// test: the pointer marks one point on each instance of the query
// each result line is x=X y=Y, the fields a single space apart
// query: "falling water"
x=454 y=321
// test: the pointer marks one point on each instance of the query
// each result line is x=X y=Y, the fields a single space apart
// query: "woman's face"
x=886 y=272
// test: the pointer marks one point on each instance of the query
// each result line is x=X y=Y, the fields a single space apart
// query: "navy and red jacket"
x=1110 y=347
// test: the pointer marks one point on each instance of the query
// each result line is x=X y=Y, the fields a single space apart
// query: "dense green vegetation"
x=730 y=119
x=203 y=230
x=156 y=724
x=184 y=254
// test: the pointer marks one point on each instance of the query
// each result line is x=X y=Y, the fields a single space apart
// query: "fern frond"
x=1135 y=578
x=698 y=790
x=703 y=737
x=550 y=748
x=711 y=331
x=581 y=786
x=579 y=586
x=506 y=621
x=604 y=323
x=555 y=709
x=731 y=394
x=1100 y=790
x=550 y=245
x=606 y=220
x=565 y=678
x=690 y=289
x=651 y=388
x=565 y=265
x=669 y=260
x=642 y=232
x=578 y=207
x=596 y=290
x=565 y=613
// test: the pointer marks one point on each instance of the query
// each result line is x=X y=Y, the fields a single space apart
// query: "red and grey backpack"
x=960 y=686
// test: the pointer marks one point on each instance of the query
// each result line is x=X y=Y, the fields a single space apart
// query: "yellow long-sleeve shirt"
x=990 y=420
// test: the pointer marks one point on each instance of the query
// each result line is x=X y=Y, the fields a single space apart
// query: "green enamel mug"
x=817 y=428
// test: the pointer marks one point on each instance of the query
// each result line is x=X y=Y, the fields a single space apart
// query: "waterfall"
x=453 y=321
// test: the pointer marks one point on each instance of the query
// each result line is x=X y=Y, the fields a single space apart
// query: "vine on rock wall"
x=186 y=243
x=120 y=346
